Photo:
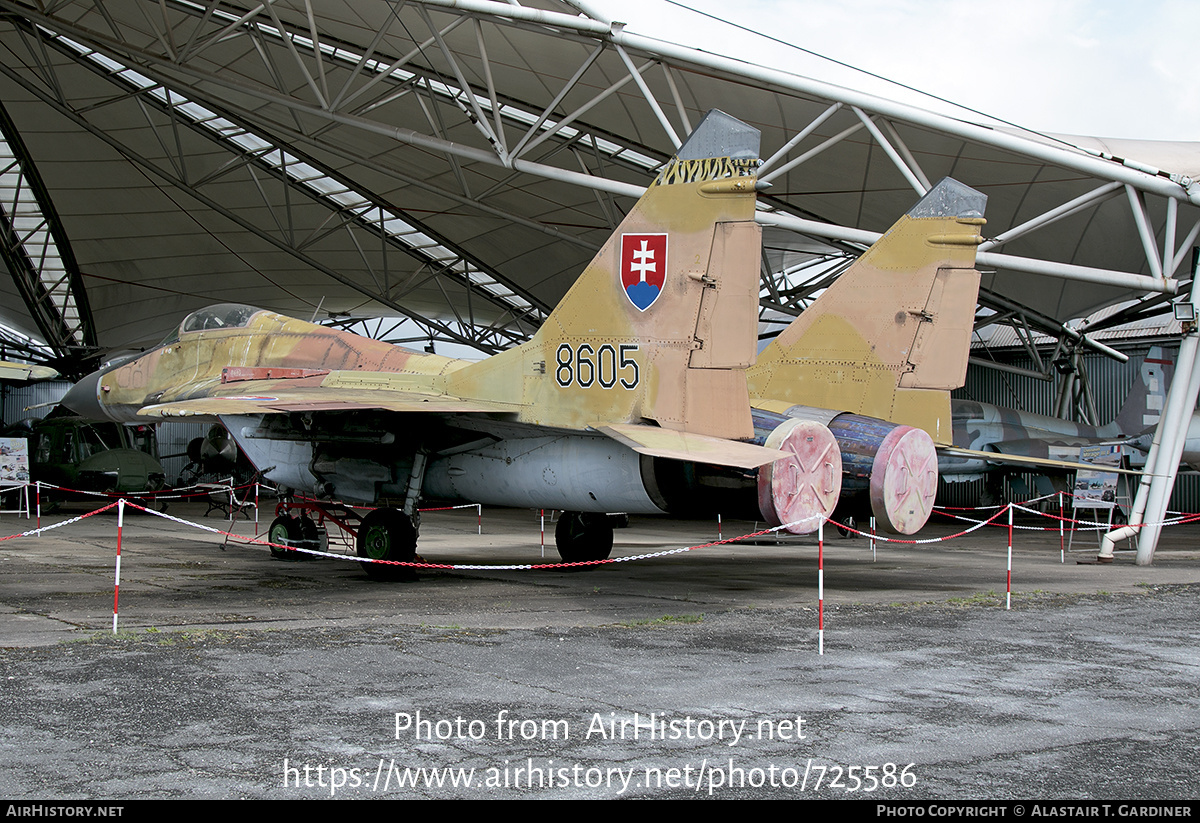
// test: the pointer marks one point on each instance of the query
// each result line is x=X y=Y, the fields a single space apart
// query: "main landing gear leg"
x=390 y=534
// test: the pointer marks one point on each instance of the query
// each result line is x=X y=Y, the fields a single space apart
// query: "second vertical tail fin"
x=890 y=337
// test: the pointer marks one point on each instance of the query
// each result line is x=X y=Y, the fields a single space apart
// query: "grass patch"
x=666 y=620
x=988 y=598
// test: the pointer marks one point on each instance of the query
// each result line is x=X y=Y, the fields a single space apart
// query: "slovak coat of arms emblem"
x=643 y=267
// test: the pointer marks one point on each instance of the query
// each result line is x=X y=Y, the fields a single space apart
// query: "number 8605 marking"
x=585 y=366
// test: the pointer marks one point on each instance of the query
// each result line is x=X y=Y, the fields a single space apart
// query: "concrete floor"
x=230 y=663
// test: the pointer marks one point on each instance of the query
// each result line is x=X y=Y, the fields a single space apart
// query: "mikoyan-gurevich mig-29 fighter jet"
x=632 y=393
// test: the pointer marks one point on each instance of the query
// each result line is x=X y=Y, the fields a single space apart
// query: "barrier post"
x=543 y=516
x=872 y=538
x=821 y=586
x=718 y=526
x=1062 y=552
x=479 y=518
x=1008 y=592
x=38 y=494
x=117 y=573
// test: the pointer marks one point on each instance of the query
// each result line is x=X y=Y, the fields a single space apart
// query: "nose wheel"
x=299 y=532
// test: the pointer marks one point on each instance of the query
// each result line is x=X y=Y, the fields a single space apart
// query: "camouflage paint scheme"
x=619 y=402
x=1009 y=434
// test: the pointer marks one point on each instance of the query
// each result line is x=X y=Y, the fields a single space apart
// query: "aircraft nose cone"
x=84 y=398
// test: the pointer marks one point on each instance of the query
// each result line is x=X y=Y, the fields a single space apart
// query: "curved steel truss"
x=425 y=158
x=35 y=248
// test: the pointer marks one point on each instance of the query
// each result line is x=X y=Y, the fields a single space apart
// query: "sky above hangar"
x=1105 y=68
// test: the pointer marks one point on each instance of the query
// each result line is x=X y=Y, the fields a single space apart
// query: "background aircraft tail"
x=662 y=323
x=1147 y=396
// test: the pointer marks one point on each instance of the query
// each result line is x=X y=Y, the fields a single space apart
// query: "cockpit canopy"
x=221 y=316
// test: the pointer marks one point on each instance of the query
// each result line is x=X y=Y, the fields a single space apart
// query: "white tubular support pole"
x=1163 y=480
x=1162 y=463
x=1067 y=271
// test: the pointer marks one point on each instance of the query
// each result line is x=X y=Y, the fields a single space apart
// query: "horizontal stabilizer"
x=695 y=448
x=21 y=372
x=1025 y=460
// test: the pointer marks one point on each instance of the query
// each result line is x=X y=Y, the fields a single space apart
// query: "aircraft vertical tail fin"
x=662 y=324
x=891 y=336
x=1147 y=396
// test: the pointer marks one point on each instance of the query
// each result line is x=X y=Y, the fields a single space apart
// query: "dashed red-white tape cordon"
x=977 y=524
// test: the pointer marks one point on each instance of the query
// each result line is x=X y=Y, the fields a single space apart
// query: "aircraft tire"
x=386 y=534
x=583 y=536
x=285 y=529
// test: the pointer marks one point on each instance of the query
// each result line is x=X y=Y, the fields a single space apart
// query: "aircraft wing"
x=697 y=448
x=1032 y=462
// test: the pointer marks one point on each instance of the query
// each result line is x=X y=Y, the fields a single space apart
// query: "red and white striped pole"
x=1008 y=592
x=117 y=575
x=1062 y=552
x=38 y=495
x=821 y=587
x=543 y=516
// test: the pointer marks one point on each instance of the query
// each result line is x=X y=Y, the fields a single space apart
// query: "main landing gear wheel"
x=386 y=534
x=583 y=536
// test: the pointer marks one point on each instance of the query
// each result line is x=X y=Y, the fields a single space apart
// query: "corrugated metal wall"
x=1109 y=381
x=18 y=398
